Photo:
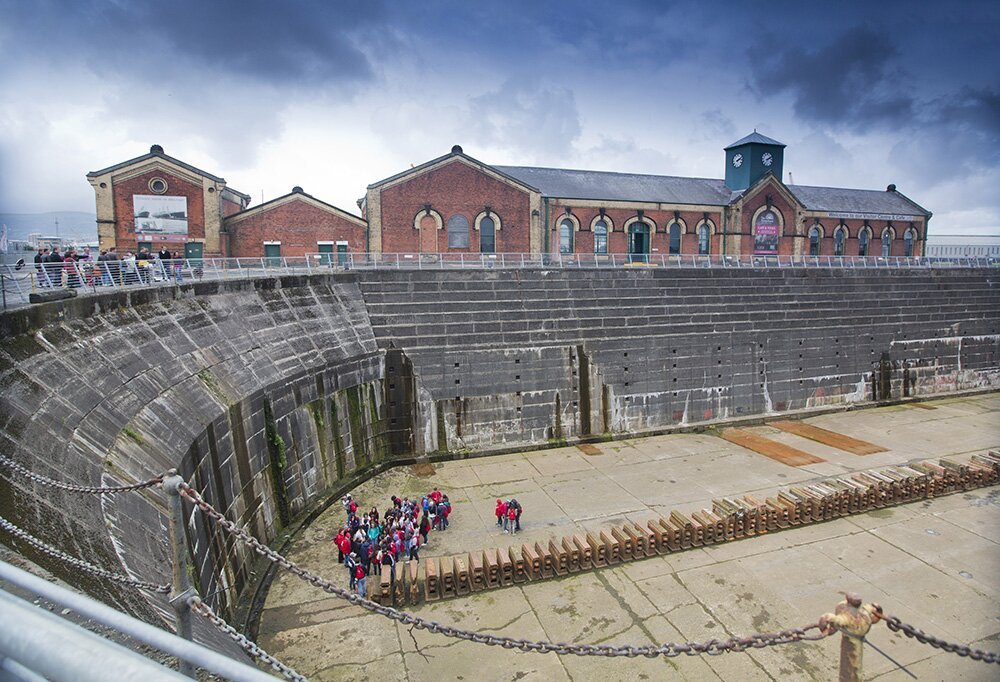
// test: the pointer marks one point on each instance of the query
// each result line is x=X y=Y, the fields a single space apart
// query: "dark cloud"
x=283 y=43
x=851 y=80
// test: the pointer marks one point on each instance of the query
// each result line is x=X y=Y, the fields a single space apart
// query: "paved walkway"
x=936 y=564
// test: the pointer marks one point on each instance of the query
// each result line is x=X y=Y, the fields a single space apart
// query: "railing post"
x=853 y=619
x=182 y=590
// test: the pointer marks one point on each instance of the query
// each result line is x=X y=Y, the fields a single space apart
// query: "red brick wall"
x=780 y=205
x=230 y=207
x=298 y=225
x=455 y=188
x=124 y=190
x=618 y=240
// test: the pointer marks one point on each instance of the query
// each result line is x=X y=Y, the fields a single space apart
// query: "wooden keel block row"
x=432 y=585
x=463 y=581
x=449 y=586
x=625 y=542
x=598 y=551
x=747 y=515
x=521 y=566
x=399 y=571
x=572 y=553
x=613 y=547
x=506 y=567
x=674 y=534
x=648 y=538
x=727 y=511
x=532 y=562
x=780 y=512
x=637 y=539
x=794 y=507
x=494 y=578
x=561 y=557
x=477 y=571
x=586 y=552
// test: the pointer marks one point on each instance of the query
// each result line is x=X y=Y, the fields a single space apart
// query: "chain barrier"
x=79 y=563
x=712 y=647
x=258 y=654
x=52 y=483
x=896 y=625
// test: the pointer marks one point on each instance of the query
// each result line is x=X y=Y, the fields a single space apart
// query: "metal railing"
x=19 y=281
x=37 y=644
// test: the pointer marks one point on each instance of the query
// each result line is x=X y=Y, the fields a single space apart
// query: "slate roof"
x=841 y=200
x=758 y=138
x=584 y=184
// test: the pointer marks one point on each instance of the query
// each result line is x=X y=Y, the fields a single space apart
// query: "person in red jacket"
x=343 y=544
x=501 y=512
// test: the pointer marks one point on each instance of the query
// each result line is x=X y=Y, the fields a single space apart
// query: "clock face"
x=737 y=160
x=766 y=159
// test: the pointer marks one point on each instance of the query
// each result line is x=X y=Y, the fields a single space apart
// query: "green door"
x=342 y=255
x=325 y=249
x=638 y=243
x=272 y=252
x=194 y=250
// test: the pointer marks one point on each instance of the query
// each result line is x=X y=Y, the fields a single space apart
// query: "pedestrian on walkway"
x=501 y=512
x=361 y=577
x=511 y=518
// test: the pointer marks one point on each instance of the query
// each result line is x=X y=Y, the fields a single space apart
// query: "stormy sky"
x=335 y=95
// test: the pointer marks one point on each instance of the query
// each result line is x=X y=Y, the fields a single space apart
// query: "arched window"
x=839 y=240
x=908 y=238
x=886 y=242
x=863 y=237
x=458 y=232
x=704 y=239
x=814 y=241
x=675 y=237
x=566 y=236
x=487 y=235
x=600 y=237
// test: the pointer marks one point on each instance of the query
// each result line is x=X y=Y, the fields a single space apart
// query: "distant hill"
x=76 y=225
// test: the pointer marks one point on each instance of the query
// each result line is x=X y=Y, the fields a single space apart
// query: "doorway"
x=638 y=243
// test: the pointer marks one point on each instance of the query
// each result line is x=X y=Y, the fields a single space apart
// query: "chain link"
x=203 y=609
x=712 y=647
x=896 y=625
x=79 y=563
x=52 y=483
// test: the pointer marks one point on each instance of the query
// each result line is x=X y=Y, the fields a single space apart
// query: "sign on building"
x=765 y=232
x=160 y=218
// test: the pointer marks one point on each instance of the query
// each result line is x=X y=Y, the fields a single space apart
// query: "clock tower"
x=750 y=158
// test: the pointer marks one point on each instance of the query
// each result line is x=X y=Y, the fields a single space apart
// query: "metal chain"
x=79 y=563
x=52 y=483
x=203 y=609
x=711 y=647
x=896 y=625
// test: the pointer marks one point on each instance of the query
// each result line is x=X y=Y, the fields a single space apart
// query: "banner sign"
x=765 y=241
x=160 y=218
x=873 y=216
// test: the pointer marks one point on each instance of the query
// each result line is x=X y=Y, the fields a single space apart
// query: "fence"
x=852 y=618
x=20 y=280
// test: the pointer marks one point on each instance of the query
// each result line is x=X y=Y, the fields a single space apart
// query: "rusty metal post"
x=182 y=590
x=853 y=619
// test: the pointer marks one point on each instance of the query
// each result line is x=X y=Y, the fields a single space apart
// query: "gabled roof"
x=456 y=152
x=156 y=152
x=295 y=194
x=585 y=184
x=842 y=200
x=757 y=138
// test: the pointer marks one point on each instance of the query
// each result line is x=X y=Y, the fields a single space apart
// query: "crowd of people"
x=370 y=543
x=74 y=268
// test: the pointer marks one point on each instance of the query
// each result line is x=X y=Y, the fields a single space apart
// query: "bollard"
x=853 y=620
x=182 y=590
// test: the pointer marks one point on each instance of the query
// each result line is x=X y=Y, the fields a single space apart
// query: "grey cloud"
x=525 y=116
x=281 y=43
x=851 y=80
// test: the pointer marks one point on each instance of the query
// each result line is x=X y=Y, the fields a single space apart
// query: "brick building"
x=439 y=206
x=458 y=204
x=295 y=224
x=157 y=201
